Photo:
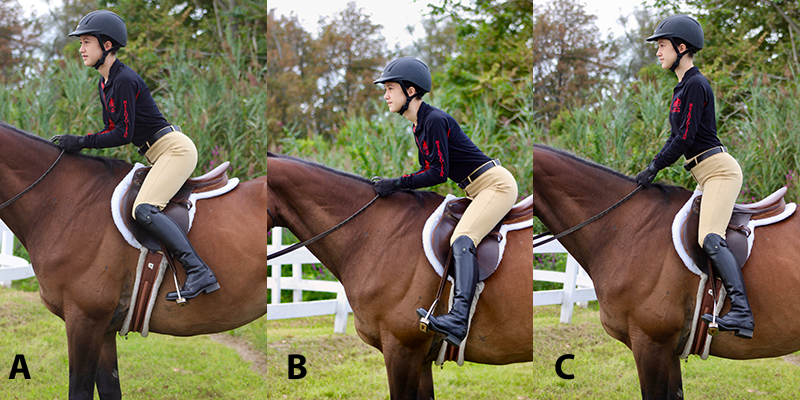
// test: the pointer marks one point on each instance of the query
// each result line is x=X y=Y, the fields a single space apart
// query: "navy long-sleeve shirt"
x=445 y=151
x=129 y=112
x=692 y=120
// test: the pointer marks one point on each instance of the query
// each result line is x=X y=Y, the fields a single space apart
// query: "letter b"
x=296 y=362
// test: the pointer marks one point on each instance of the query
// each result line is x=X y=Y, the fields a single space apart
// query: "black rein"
x=13 y=199
x=318 y=237
x=587 y=222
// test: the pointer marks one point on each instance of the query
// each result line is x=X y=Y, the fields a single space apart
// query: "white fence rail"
x=11 y=268
x=578 y=286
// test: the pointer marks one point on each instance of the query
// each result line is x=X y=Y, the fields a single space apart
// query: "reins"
x=13 y=199
x=318 y=237
x=587 y=222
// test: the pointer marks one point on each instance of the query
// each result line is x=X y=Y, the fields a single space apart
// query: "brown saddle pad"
x=489 y=248
x=736 y=234
x=177 y=208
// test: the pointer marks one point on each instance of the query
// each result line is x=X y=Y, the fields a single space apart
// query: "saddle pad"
x=122 y=187
x=433 y=220
x=686 y=209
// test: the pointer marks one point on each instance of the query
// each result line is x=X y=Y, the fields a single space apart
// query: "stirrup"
x=424 y=321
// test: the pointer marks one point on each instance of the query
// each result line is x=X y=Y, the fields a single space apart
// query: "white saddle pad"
x=119 y=192
x=684 y=212
x=433 y=220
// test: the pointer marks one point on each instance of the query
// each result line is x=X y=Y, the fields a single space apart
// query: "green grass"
x=156 y=367
x=344 y=367
x=604 y=367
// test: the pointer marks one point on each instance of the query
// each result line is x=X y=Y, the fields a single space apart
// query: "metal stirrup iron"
x=424 y=321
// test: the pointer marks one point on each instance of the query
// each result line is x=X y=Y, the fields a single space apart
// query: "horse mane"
x=420 y=195
x=667 y=190
x=109 y=163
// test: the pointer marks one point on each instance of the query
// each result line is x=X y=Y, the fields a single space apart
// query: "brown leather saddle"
x=737 y=233
x=177 y=208
x=489 y=248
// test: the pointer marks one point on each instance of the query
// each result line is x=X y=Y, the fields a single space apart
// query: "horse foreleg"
x=404 y=370
x=659 y=370
x=107 y=371
x=85 y=343
x=426 y=382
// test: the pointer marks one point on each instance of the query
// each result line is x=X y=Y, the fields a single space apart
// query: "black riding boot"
x=740 y=318
x=454 y=324
x=199 y=278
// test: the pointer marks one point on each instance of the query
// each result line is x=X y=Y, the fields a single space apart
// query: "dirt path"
x=793 y=359
x=258 y=360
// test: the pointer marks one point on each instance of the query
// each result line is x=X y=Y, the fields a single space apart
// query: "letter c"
x=559 y=371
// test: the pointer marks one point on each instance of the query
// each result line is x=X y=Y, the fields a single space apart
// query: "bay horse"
x=646 y=293
x=379 y=259
x=86 y=269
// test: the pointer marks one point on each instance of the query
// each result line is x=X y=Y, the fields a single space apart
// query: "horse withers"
x=86 y=269
x=378 y=257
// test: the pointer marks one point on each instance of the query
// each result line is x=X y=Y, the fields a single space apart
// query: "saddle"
x=177 y=208
x=488 y=250
x=738 y=231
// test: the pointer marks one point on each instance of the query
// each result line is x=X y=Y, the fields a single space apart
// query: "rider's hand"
x=70 y=143
x=645 y=178
x=385 y=187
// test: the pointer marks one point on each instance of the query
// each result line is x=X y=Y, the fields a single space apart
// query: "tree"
x=494 y=55
x=291 y=74
x=745 y=37
x=18 y=39
x=353 y=52
x=635 y=52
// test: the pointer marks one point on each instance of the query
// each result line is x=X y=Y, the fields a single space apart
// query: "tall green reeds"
x=221 y=107
x=384 y=145
x=629 y=127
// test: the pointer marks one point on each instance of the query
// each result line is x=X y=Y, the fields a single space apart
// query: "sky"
x=393 y=15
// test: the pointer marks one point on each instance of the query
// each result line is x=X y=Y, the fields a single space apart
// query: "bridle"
x=315 y=238
x=587 y=222
x=13 y=199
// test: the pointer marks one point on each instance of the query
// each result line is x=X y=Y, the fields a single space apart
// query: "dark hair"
x=418 y=92
x=114 y=45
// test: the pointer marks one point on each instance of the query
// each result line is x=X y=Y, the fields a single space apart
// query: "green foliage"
x=626 y=130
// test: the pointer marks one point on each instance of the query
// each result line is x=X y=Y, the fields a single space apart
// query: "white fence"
x=578 y=286
x=11 y=268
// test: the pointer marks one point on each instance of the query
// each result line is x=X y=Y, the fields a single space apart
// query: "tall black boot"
x=454 y=324
x=199 y=278
x=740 y=318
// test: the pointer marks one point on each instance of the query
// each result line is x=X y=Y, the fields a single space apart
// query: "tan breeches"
x=174 y=158
x=719 y=177
x=492 y=195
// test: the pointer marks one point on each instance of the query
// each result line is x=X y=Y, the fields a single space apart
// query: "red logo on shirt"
x=111 y=107
x=676 y=106
x=425 y=148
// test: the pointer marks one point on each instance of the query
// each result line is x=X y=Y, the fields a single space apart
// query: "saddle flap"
x=178 y=206
x=737 y=232
x=488 y=249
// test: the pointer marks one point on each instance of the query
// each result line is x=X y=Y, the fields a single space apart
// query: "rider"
x=132 y=116
x=718 y=175
x=445 y=151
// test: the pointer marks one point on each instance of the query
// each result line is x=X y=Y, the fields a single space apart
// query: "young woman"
x=131 y=116
x=445 y=152
x=718 y=175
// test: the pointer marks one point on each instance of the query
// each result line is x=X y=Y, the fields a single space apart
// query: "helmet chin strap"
x=408 y=99
x=677 y=59
x=102 y=59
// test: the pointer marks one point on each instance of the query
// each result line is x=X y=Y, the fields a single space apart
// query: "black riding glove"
x=72 y=143
x=385 y=187
x=645 y=178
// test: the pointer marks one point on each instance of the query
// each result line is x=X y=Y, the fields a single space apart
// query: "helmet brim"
x=383 y=79
x=84 y=32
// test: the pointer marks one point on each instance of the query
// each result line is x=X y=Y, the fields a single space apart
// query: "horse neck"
x=569 y=192
x=310 y=200
x=23 y=160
